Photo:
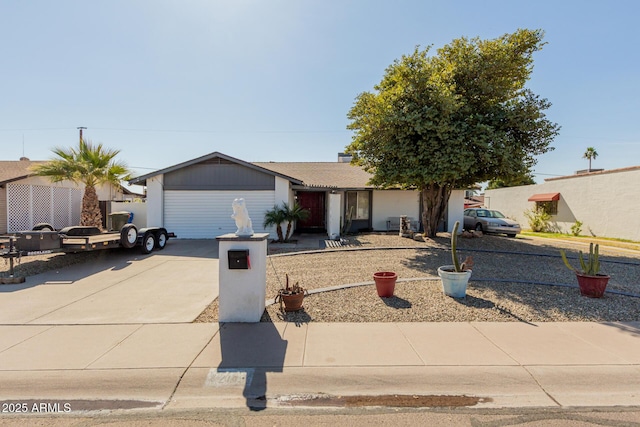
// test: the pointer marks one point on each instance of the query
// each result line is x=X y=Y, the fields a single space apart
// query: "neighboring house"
x=471 y=200
x=604 y=201
x=27 y=199
x=128 y=195
x=193 y=199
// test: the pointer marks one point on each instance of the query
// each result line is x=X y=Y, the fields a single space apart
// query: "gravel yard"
x=499 y=290
x=509 y=281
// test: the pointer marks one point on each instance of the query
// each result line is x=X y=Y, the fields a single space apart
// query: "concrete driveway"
x=121 y=287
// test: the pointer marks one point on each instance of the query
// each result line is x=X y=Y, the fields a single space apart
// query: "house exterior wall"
x=392 y=204
x=283 y=192
x=109 y=192
x=604 y=202
x=139 y=210
x=155 y=201
x=455 y=210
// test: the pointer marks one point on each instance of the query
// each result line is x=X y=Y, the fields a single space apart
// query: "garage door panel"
x=207 y=214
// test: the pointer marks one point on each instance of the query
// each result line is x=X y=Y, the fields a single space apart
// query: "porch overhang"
x=545 y=197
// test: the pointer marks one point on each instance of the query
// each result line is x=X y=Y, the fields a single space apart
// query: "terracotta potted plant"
x=591 y=283
x=291 y=297
x=385 y=283
x=455 y=277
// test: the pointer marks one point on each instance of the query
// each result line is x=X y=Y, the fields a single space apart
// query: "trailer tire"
x=43 y=226
x=148 y=243
x=161 y=240
x=128 y=236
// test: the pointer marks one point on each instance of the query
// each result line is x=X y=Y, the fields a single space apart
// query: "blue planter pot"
x=454 y=284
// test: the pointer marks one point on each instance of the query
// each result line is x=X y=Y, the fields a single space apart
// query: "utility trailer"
x=44 y=240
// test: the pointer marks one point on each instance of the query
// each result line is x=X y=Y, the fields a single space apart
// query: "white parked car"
x=490 y=221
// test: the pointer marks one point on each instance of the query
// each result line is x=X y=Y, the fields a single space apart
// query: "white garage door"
x=207 y=214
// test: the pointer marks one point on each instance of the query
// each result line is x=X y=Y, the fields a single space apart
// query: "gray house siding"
x=218 y=174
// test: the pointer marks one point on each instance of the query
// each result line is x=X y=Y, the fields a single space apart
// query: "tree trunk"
x=279 y=233
x=90 y=215
x=434 y=202
x=287 y=236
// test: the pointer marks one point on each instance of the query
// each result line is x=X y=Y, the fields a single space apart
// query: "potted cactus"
x=591 y=283
x=290 y=297
x=455 y=277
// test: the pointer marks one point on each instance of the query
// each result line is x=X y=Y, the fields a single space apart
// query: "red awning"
x=545 y=197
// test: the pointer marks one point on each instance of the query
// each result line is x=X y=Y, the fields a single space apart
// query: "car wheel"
x=479 y=227
x=148 y=243
x=511 y=235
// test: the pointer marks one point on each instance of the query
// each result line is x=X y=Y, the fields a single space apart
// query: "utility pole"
x=80 y=129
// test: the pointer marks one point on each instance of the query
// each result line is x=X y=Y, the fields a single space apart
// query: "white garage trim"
x=207 y=214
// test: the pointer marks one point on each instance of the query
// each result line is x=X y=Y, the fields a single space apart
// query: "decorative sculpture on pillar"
x=241 y=215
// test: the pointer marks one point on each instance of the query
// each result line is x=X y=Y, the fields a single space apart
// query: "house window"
x=550 y=207
x=359 y=202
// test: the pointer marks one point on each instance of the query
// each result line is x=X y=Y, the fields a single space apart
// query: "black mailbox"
x=239 y=259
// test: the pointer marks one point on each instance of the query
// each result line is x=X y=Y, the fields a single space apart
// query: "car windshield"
x=496 y=214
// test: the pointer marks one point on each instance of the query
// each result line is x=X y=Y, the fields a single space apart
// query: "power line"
x=221 y=131
x=183 y=130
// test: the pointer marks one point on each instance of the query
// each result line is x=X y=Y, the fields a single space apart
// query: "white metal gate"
x=28 y=205
x=207 y=214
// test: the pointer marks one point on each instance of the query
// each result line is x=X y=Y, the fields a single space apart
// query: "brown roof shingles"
x=12 y=170
x=322 y=174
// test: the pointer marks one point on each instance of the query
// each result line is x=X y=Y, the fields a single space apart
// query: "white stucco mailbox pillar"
x=242 y=277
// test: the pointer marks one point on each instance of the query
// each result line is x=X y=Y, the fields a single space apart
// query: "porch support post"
x=334 y=212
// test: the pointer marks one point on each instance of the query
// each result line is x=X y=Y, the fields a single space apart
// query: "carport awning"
x=545 y=197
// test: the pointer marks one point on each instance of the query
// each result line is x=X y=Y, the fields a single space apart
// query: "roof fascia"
x=17 y=178
x=141 y=180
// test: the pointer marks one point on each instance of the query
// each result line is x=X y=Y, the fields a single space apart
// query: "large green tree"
x=87 y=164
x=462 y=116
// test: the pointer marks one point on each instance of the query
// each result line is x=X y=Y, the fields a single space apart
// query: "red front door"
x=313 y=201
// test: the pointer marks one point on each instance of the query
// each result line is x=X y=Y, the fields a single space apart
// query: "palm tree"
x=591 y=153
x=295 y=213
x=90 y=165
x=275 y=216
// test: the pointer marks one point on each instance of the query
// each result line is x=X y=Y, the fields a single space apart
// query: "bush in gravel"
x=576 y=228
x=539 y=220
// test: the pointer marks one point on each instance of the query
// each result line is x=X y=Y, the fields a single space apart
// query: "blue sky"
x=261 y=80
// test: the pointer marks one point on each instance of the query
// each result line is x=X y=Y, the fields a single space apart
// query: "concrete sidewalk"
x=187 y=365
x=117 y=333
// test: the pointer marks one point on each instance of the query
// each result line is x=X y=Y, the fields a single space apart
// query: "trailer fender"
x=43 y=226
